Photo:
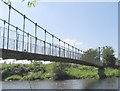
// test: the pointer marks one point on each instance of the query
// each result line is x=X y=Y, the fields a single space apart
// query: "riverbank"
x=54 y=71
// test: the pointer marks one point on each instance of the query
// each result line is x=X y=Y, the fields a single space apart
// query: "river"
x=109 y=83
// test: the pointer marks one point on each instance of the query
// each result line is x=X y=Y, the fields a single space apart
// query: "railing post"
x=52 y=44
x=75 y=53
x=30 y=44
x=72 y=52
x=4 y=34
x=27 y=42
x=8 y=26
x=35 y=37
x=16 y=38
x=59 y=47
x=13 y=44
x=78 y=54
x=55 y=51
x=100 y=49
x=99 y=53
x=50 y=49
x=23 y=32
x=64 y=49
x=81 y=54
x=68 y=50
x=45 y=43
x=44 y=47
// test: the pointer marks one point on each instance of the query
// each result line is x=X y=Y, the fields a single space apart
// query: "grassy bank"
x=55 y=71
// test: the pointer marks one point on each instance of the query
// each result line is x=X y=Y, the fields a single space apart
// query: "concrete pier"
x=101 y=73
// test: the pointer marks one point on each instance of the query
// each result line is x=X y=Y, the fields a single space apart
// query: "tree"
x=108 y=56
x=110 y=59
x=90 y=55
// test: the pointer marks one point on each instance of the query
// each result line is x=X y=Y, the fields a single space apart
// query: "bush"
x=13 y=77
x=59 y=71
x=33 y=76
x=80 y=74
x=46 y=75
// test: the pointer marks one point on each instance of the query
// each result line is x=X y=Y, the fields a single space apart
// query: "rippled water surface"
x=110 y=83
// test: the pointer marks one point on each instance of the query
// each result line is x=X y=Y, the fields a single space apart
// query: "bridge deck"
x=11 y=54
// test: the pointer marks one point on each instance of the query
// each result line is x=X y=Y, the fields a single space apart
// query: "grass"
x=83 y=72
x=112 y=72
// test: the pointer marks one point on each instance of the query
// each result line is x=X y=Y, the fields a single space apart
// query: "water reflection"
x=111 y=83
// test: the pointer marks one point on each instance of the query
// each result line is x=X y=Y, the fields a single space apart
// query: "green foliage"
x=30 y=3
x=12 y=69
x=38 y=66
x=107 y=51
x=112 y=72
x=13 y=77
x=86 y=68
x=22 y=70
x=82 y=72
x=46 y=75
x=110 y=59
x=108 y=56
x=59 y=71
x=33 y=76
x=90 y=55
x=79 y=74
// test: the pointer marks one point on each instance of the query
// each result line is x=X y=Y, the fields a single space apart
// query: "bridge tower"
x=101 y=70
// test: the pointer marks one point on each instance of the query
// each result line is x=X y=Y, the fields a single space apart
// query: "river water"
x=109 y=83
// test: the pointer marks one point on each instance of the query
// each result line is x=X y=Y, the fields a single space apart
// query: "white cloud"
x=73 y=42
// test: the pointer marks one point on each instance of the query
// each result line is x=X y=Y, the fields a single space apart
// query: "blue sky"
x=82 y=24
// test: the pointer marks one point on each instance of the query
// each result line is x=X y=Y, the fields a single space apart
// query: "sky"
x=82 y=24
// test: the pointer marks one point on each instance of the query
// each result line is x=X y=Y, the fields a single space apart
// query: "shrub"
x=33 y=76
x=13 y=77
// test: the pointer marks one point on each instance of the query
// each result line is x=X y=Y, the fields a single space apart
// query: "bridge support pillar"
x=101 y=73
